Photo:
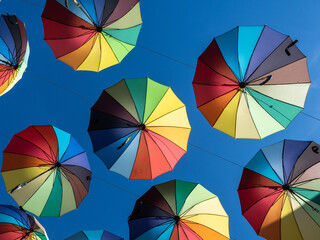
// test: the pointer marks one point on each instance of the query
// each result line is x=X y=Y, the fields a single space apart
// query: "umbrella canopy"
x=94 y=235
x=279 y=191
x=14 y=51
x=91 y=34
x=251 y=82
x=139 y=128
x=15 y=224
x=46 y=171
x=178 y=210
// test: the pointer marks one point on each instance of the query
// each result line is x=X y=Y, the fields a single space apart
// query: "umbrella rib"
x=55 y=157
x=124 y=150
x=166 y=145
x=189 y=209
x=295 y=195
x=105 y=20
x=271 y=97
x=49 y=157
x=271 y=166
x=280 y=67
x=106 y=27
x=148 y=127
x=294 y=166
x=64 y=23
x=129 y=137
x=59 y=160
x=246 y=97
x=145 y=100
x=19 y=186
x=199 y=59
x=266 y=58
x=221 y=96
x=163 y=230
x=185 y=225
x=255 y=47
x=73 y=174
x=93 y=43
x=294 y=215
x=35 y=191
x=268 y=195
x=297 y=185
x=273 y=109
x=134 y=104
x=54 y=182
x=266 y=79
x=165 y=114
x=11 y=54
x=160 y=151
x=84 y=10
x=156 y=105
x=149 y=158
x=71 y=157
x=111 y=142
x=128 y=122
x=236 y=115
x=87 y=32
x=200 y=214
x=100 y=42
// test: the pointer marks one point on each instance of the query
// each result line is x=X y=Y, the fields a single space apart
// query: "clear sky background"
x=180 y=29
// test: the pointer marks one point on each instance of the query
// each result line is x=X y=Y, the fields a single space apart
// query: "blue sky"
x=181 y=29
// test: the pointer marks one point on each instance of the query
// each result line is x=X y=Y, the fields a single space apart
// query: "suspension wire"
x=32 y=2
x=166 y=56
x=213 y=154
x=59 y=86
x=116 y=186
x=315 y=118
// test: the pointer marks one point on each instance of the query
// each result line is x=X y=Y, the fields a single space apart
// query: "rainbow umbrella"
x=94 y=235
x=15 y=224
x=178 y=210
x=91 y=34
x=46 y=171
x=139 y=128
x=251 y=82
x=279 y=191
x=14 y=51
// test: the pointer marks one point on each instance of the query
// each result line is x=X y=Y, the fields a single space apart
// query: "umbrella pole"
x=141 y=127
x=25 y=183
x=80 y=6
x=266 y=79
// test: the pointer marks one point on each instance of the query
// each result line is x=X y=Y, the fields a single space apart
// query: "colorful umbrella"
x=139 y=128
x=251 y=82
x=94 y=235
x=15 y=224
x=46 y=171
x=14 y=51
x=178 y=210
x=279 y=191
x=91 y=34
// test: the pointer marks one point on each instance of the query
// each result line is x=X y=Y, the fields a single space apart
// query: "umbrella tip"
x=99 y=29
x=242 y=85
x=58 y=164
x=286 y=187
x=176 y=218
x=142 y=127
